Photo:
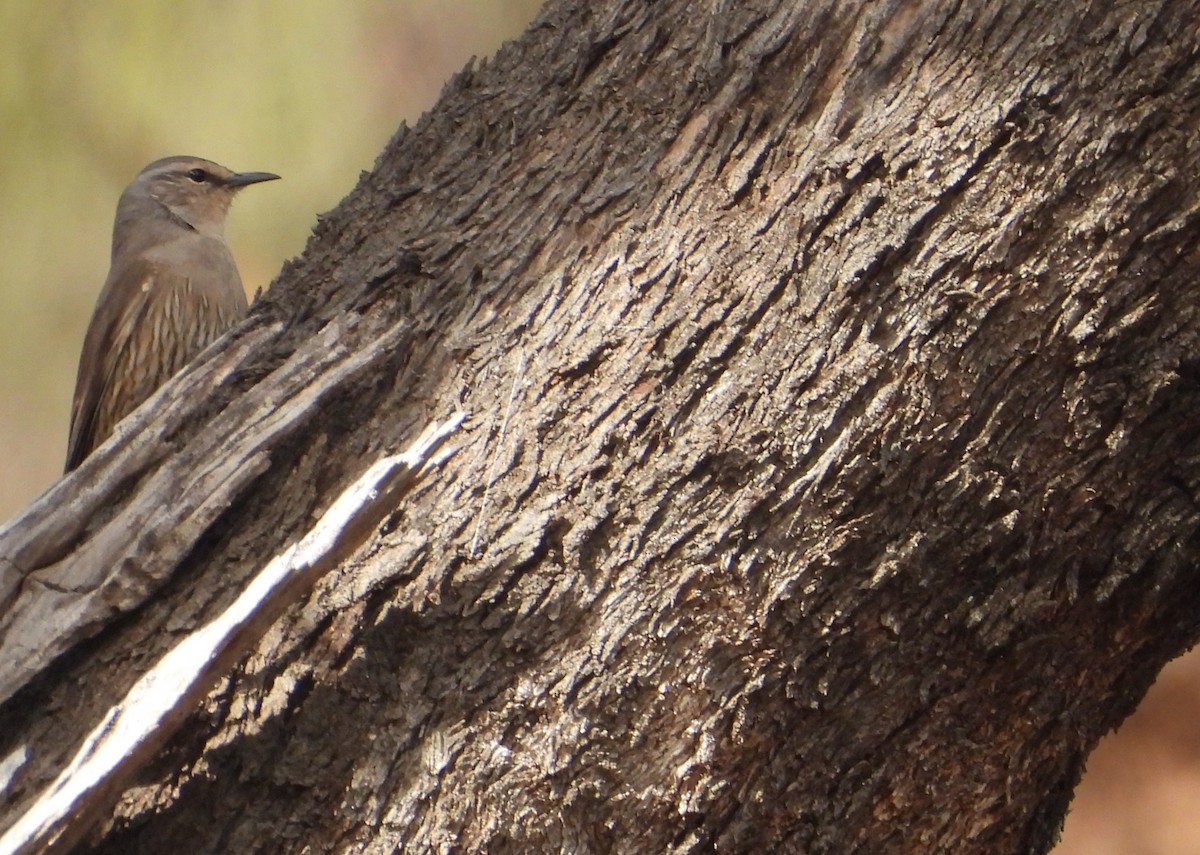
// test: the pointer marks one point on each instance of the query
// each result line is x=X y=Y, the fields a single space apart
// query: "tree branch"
x=137 y=727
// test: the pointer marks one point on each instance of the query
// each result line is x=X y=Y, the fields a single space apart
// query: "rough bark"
x=829 y=475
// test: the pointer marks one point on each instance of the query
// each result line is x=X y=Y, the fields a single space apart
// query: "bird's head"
x=193 y=190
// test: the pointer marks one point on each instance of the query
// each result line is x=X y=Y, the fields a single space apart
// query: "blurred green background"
x=92 y=91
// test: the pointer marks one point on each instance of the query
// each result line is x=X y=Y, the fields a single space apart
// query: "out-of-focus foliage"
x=92 y=91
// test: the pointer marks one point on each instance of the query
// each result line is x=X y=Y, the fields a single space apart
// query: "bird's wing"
x=107 y=348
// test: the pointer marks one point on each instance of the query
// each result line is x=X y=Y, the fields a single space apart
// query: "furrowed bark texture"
x=830 y=472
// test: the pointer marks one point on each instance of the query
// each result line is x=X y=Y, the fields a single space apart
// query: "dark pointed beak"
x=241 y=179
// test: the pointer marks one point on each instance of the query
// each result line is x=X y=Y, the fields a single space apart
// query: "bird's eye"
x=197 y=175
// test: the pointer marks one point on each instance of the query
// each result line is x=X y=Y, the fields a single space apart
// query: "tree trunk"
x=828 y=480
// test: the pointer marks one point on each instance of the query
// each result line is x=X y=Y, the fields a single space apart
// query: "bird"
x=172 y=289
